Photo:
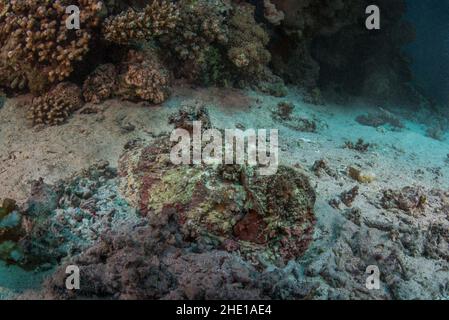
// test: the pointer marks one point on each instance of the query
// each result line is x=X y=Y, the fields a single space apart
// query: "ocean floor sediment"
x=380 y=197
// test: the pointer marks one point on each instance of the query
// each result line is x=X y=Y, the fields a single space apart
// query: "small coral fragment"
x=101 y=84
x=191 y=111
x=348 y=197
x=360 y=145
x=272 y=14
x=54 y=107
x=410 y=199
x=360 y=175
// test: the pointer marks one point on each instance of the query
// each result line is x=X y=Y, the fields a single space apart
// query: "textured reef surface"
x=86 y=178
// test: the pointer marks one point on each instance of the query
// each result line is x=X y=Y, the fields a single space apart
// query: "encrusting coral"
x=218 y=42
x=101 y=84
x=247 y=42
x=158 y=18
x=34 y=37
x=201 y=27
x=54 y=107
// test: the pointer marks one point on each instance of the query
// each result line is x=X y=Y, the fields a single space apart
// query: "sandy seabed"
x=347 y=238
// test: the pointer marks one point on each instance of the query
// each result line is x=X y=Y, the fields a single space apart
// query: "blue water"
x=430 y=51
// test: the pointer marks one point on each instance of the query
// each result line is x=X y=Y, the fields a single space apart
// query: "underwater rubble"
x=86 y=221
x=153 y=230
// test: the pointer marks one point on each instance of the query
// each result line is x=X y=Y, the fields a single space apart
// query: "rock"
x=2 y=99
x=408 y=199
x=270 y=217
x=348 y=197
x=190 y=111
x=360 y=175
x=284 y=110
x=7 y=207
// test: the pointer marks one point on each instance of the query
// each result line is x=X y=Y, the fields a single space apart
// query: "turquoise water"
x=430 y=50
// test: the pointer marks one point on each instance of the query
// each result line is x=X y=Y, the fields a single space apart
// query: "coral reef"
x=157 y=272
x=218 y=42
x=37 y=47
x=140 y=226
x=156 y=19
x=200 y=29
x=57 y=105
x=165 y=267
x=247 y=43
x=75 y=211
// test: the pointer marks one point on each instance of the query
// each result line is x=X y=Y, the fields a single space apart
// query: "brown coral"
x=158 y=18
x=144 y=77
x=12 y=76
x=412 y=200
x=247 y=42
x=201 y=27
x=54 y=107
x=34 y=37
x=101 y=84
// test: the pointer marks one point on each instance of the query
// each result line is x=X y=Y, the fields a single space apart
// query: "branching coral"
x=158 y=18
x=54 y=107
x=144 y=77
x=217 y=40
x=12 y=76
x=34 y=36
x=141 y=76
